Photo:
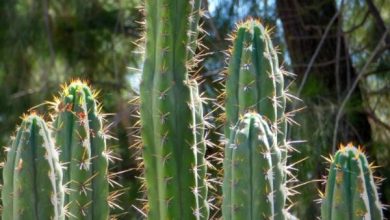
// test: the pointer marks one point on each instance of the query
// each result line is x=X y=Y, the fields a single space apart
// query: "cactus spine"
x=32 y=175
x=172 y=127
x=350 y=189
x=255 y=83
x=80 y=136
x=252 y=167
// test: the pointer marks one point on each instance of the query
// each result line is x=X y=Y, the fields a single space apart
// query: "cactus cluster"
x=32 y=174
x=61 y=171
x=350 y=188
x=171 y=125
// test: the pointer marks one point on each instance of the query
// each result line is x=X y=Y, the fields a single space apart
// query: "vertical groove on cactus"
x=32 y=174
x=255 y=83
x=79 y=135
x=173 y=170
x=350 y=190
x=251 y=165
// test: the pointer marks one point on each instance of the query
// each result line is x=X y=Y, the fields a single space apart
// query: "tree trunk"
x=319 y=56
x=304 y=23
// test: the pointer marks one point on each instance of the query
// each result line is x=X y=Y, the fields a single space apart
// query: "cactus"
x=32 y=174
x=255 y=83
x=254 y=80
x=350 y=189
x=252 y=172
x=79 y=135
x=172 y=126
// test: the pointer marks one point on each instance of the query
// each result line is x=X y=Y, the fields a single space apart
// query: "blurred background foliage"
x=328 y=44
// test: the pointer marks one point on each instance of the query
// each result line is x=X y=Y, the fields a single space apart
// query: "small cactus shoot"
x=252 y=172
x=80 y=137
x=32 y=174
x=350 y=192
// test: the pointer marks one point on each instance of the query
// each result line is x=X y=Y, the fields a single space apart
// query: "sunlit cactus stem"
x=172 y=128
x=350 y=189
x=252 y=172
x=32 y=175
x=80 y=137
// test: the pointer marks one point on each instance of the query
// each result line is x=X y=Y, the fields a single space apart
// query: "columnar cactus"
x=350 y=189
x=32 y=174
x=254 y=80
x=256 y=83
x=252 y=172
x=80 y=137
x=171 y=123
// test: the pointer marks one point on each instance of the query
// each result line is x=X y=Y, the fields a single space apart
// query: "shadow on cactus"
x=32 y=174
x=350 y=188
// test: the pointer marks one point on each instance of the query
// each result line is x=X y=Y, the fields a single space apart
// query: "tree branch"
x=378 y=19
x=317 y=51
x=378 y=49
x=377 y=120
x=360 y=24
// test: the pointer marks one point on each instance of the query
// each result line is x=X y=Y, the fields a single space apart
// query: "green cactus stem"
x=256 y=83
x=80 y=137
x=32 y=175
x=254 y=80
x=171 y=125
x=252 y=172
x=350 y=189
